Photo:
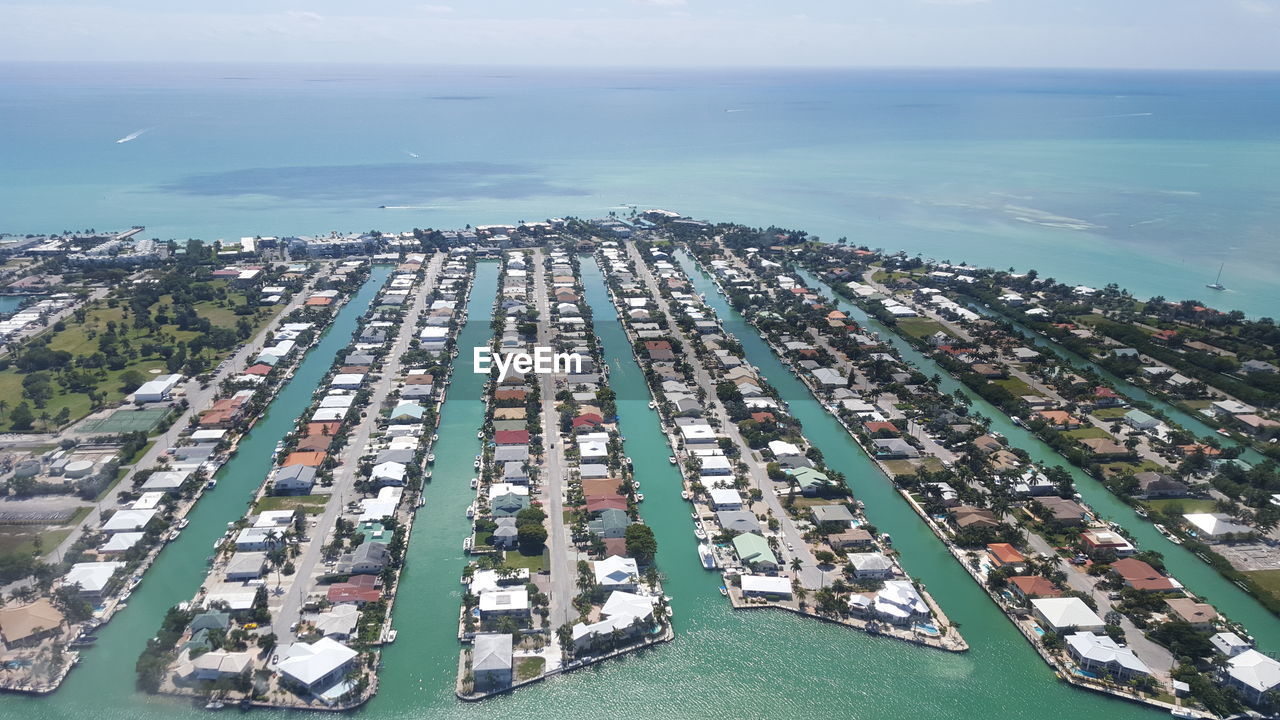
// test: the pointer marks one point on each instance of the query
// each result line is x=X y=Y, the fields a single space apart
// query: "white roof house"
x=315 y=665
x=725 y=498
x=716 y=465
x=695 y=434
x=616 y=571
x=120 y=542
x=1254 y=674
x=766 y=585
x=157 y=390
x=92 y=577
x=1099 y=652
x=513 y=600
x=899 y=600
x=1229 y=643
x=128 y=520
x=1215 y=524
x=337 y=622
x=1065 y=614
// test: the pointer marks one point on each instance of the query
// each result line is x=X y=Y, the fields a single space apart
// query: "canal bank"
x=1194 y=573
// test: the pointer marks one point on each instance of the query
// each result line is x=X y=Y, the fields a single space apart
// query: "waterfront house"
x=899 y=602
x=1201 y=616
x=306 y=458
x=617 y=573
x=872 y=565
x=967 y=516
x=1066 y=614
x=511 y=437
x=1029 y=587
x=1099 y=654
x=91 y=578
x=739 y=521
x=28 y=625
x=245 y=566
x=368 y=558
x=832 y=518
x=894 y=449
x=610 y=523
x=508 y=504
x=1063 y=512
x=1105 y=448
x=293 y=480
x=1215 y=525
x=1059 y=419
x=129 y=521
x=491 y=661
x=507 y=601
x=754 y=552
x=1139 y=420
x=1229 y=643
x=1158 y=485
x=1141 y=576
x=315 y=666
x=623 y=612
x=1096 y=541
x=254 y=539
x=1253 y=675
x=809 y=481
x=360 y=589
x=766 y=586
x=850 y=539
x=787 y=454
x=337 y=623
x=725 y=499
x=1004 y=554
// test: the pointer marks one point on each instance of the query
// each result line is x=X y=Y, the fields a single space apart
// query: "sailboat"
x=1217 y=283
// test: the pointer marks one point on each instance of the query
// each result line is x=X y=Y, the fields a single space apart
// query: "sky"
x=1155 y=34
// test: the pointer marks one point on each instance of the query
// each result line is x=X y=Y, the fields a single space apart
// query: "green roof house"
x=610 y=523
x=754 y=551
x=809 y=480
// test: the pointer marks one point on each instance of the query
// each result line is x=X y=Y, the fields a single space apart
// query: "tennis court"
x=125 y=420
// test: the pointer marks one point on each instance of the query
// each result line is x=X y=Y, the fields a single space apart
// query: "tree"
x=641 y=544
x=22 y=418
x=531 y=537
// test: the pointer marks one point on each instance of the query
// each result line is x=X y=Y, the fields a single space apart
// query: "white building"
x=157 y=390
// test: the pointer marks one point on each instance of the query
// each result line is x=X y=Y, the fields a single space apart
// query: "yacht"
x=471 y=511
x=183 y=523
x=431 y=458
x=671 y=459
x=213 y=483
x=435 y=437
x=639 y=497
x=475 y=483
x=466 y=545
x=708 y=556
x=686 y=495
x=391 y=635
x=653 y=405
x=1217 y=283
x=699 y=533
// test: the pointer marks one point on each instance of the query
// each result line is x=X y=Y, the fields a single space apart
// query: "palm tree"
x=4 y=406
x=796 y=564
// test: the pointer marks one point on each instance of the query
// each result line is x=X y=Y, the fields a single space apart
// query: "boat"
x=639 y=497
x=1141 y=512
x=475 y=483
x=1216 y=285
x=653 y=405
x=1018 y=421
x=213 y=482
x=391 y=635
x=431 y=457
x=1223 y=432
x=724 y=591
x=466 y=545
x=1182 y=712
x=708 y=556
x=183 y=523
x=471 y=511
x=699 y=533
x=479 y=434
x=627 y=460
x=214 y=705
x=435 y=437
x=476 y=464
x=686 y=495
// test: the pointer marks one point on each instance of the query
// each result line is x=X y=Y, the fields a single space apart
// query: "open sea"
x=1149 y=180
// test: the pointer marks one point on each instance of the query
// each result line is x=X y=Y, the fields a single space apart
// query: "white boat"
x=708 y=556
x=477 y=464
x=466 y=545
x=671 y=459
x=479 y=434
x=653 y=405
x=475 y=483
x=639 y=497
x=435 y=437
x=686 y=495
x=471 y=511
x=1182 y=712
x=1215 y=285
x=183 y=523
x=1018 y=421
x=391 y=635
x=699 y=533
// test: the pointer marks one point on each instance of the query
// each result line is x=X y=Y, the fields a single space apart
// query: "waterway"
x=1188 y=421
x=103 y=685
x=9 y=304
x=1194 y=573
x=723 y=663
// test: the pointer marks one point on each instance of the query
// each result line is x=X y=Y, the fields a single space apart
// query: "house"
x=725 y=499
x=1066 y=614
x=1201 y=616
x=129 y=521
x=810 y=481
x=258 y=539
x=617 y=573
x=91 y=577
x=309 y=459
x=1002 y=554
x=830 y=517
x=1105 y=447
x=491 y=660
x=245 y=566
x=338 y=622
x=215 y=665
x=766 y=586
x=739 y=521
x=1104 y=397
x=625 y=613
x=27 y=625
x=610 y=523
x=360 y=589
x=1063 y=512
x=507 y=504
x=871 y=565
x=1139 y=420
x=754 y=552
x=787 y=455
x=389 y=473
x=899 y=602
x=1141 y=576
x=1158 y=485
x=368 y=558
x=1100 y=655
x=894 y=449
x=315 y=666
x=855 y=538
x=1253 y=674
x=1215 y=525
x=294 y=480
x=967 y=516
x=1096 y=541
x=1229 y=643
x=1059 y=419
x=507 y=601
x=1028 y=587
x=511 y=437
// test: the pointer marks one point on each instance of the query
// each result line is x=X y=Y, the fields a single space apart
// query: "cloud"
x=1257 y=7
x=662 y=3
x=437 y=9
x=957 y=2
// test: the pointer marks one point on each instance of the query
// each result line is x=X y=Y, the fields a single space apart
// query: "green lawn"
x=921 y=327
x=1122 y=466
x=310 y=504
x=1015 y=386
x=1087 y=432
x=1267 y=580
x=1110 y=413
x=21 y=539
x=529 y=668
x=1189 y=505
x=516 y=559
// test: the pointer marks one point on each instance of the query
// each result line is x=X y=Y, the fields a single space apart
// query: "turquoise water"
x=9 y=304
x=1146 y=179
x=103 y=685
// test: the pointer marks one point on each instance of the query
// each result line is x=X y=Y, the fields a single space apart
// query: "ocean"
x=1150 y=180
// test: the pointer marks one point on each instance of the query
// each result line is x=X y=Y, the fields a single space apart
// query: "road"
x=564 y=556
x=810 y=574
x=345 y=476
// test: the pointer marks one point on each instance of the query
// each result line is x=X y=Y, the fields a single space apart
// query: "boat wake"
x=132 y=136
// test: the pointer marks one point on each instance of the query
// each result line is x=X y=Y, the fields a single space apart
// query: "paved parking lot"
x=1251 y=555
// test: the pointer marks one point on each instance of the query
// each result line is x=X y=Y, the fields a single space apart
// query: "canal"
x=1194 y=573
x=103 y=686
x=723 y=663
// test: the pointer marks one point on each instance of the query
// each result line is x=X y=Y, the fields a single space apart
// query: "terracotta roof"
x=1005 y=554
x=1033 y=586
x=308 y=458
